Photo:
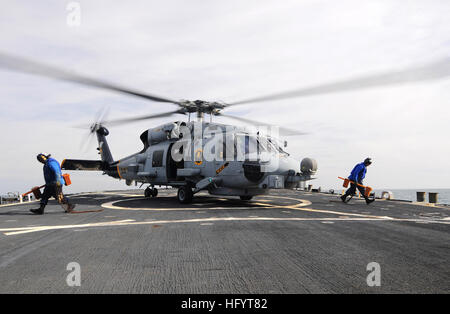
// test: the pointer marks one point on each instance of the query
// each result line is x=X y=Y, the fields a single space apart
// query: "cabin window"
x=157 y=160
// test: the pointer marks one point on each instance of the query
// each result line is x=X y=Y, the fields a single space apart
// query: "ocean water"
x=410 y=194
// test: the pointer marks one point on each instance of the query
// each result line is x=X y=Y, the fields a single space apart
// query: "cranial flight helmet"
x=367 y=161
x=42 y=158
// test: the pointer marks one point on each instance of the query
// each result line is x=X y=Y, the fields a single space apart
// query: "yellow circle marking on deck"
x=111 y=205
x=300 y=206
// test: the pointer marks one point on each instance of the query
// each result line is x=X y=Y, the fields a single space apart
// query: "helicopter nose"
x=281 y=166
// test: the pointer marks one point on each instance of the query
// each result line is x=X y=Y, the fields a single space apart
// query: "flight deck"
x=283 y=242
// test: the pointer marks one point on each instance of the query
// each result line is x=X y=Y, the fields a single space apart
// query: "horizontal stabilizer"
x=87 y=165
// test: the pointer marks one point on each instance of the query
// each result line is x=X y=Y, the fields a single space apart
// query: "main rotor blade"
x=23 y=65
x=283 y=131
x=140 y=118
x=431 y=71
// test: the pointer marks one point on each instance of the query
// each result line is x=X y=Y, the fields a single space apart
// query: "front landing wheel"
x=245 y=197
x=148 y=192
x=185 y=195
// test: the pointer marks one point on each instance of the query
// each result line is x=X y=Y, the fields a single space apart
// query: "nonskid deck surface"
x=285 y=242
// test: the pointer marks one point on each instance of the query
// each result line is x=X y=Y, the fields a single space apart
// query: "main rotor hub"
x=97 y=127
x=201 y=106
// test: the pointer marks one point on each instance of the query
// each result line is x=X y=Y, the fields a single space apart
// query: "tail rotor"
x=100 y=117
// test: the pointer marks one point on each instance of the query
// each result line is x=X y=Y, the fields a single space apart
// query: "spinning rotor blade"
x=431 y=71
x=283 y=131
x=100 y=116
x=140 y=118
x=31 y=67
x=88 y=140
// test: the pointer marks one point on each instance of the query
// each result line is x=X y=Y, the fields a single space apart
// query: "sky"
x=230 y=51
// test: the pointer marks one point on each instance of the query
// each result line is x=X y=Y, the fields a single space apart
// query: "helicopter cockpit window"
x=254 y=147
x=248 y=147
x=274 y=144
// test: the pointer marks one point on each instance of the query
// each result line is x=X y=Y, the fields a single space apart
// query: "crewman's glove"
x=58 y=184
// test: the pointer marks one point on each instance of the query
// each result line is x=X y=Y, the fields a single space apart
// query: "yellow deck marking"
x=429 y=205
x=21 y=230
x=130 y=222
x=24 y=203
x=342 y=216
x=111 y=205
x=299 y=206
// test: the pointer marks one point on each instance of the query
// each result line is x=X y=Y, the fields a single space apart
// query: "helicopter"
x=235 y=165
x=195 y=156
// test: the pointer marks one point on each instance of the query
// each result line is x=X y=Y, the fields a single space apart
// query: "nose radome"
x=308 y=166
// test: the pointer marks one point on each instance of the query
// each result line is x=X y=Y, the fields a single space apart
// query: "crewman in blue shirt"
x=357 y=175
x=53 y=185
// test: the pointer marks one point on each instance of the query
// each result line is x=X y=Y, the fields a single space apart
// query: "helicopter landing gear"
x=185 y=195
x=150 y=192
x=245 y=197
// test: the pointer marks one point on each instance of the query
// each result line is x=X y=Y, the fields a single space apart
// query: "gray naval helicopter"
x=196 y=156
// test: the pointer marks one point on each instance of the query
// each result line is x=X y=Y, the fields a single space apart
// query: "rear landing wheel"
x=154 y=192
x=185 y=195
x=245 y=197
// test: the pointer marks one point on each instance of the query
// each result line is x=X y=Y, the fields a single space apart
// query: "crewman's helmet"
x=368 y=161
x=42 y=158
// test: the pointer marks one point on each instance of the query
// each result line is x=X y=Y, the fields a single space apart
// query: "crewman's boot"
x=38 y=211
x=368 y=201
x=343 y=198
x=70 y=208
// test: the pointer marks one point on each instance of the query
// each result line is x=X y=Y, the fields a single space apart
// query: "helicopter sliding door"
x=173 y=166
x=155 y=165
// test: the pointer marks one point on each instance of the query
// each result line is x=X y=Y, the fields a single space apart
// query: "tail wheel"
x=245 y=197
x=185 y=195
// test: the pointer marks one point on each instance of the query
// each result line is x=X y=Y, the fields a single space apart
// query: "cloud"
x=232 y=50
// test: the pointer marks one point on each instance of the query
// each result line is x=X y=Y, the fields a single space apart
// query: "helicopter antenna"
x=199 y=116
